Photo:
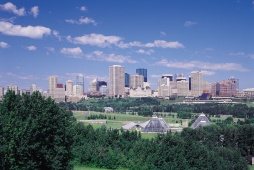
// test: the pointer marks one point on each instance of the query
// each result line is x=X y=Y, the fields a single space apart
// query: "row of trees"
x=154 y=105
x=36 y=133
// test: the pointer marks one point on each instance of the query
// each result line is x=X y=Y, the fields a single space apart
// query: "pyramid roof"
x=156 y=124
x=202 y=120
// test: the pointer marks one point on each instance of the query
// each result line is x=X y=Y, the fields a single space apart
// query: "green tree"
x=35 y=133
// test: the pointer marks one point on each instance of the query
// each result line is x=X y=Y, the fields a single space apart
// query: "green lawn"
x=251 y=167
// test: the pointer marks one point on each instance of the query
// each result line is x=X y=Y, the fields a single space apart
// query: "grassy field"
x=251 y=167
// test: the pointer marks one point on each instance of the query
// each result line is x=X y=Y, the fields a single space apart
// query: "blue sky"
x=68 y=38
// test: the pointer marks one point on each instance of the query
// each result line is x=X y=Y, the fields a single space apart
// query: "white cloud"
x=31 y=48
x=202 y=65
x=163 y=33
x=51 y=49
x=106 y=41
x=35 y=11
x=239 y=54
x=100 y=56
x=83 y=8
x=57 y=35
x=35 y=32
x=10 y=7
x=76 y=52
x=148 y=52
x=95 y=40
x=156 y=43
x=208 y=73
x=82 y=20
x=4 y=45
x=21 y=76
x=189 y=23
x=155 y=76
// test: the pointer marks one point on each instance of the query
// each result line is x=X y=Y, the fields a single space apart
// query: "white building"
x=116 y=81
x=77 y=90
x=136 y=81
x=13 y=88
x=1 y=92
x=196 y=83
x=59 y=93
x=32 y=88
x=69 y=88
x=182 y=88
x=93 y=85
x=52 y=86
x=103 y=90
x=166 y=86
x=140 y=92
x=249 y=92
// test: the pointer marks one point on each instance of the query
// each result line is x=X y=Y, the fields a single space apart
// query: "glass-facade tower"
x=143 y=72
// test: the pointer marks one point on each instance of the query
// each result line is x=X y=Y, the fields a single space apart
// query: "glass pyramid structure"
x=202 y=120
x=156 y=124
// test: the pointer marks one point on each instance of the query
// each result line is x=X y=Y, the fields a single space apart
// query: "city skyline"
x=39 y=39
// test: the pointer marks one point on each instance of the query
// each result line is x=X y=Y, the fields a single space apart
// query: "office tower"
x=13 y=88
x=143 y=72
x=59 y=93
x=116 y=81
x=1 y=92
x=136 y=81
x=32 y=88
x=69 y=88
x=166 y=86
x=22 y=92
x=236 y=81
x=224 y=88
x=182 y=87
x=103 y=90
x=196 y=83
x=93 y=85
x=101 y=83
x=127 y=80
x=80 y=81
x=52 y=85
x=189 y=82
x=77 y=90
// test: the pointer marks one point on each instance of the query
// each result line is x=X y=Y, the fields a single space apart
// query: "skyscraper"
x=127 y=80
x=143 y=72
x=196 y=83
x=236 y=81
x=69 y=88
x=32 y=88
x=80 y=81
x=116 y=81
x=136 y=81
x=52 y=85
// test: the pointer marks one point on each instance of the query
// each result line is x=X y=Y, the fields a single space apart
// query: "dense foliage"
x=35 y=133
x=192 y=149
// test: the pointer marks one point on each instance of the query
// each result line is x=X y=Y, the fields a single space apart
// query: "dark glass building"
x=143 y=72
x=127 y=80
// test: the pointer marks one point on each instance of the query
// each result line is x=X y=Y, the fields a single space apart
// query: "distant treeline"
x=146 y=107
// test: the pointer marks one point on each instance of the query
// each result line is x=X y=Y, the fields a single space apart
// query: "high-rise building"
x=236 y=81
x=93 y=85
x=101 y=83
x=166 y=86
x=80 y=81
x=136 y=81
x=116 y=81
x=32 y=88
x=103 y=90
x=59 y=93
x=69 y=88
x=1 y=92
x=143 y=72
x=196 y=83
x=182 y=87
x=127 y=80
x=13 y=88
x=52 y=85
x=77 y=90
x=225 y=88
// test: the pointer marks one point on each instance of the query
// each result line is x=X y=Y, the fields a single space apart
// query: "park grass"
x=251 y=167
